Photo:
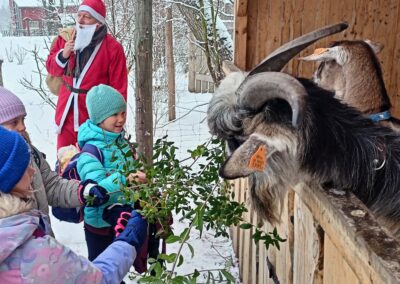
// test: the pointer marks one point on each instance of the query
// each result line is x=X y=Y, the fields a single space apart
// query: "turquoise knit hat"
x=103 y=101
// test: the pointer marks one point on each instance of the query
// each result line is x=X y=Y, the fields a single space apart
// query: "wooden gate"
x=199 y=78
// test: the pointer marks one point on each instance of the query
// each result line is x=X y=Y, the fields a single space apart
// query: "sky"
x=188 y=132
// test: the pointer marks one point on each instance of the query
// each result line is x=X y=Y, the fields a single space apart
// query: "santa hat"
x=96 y=8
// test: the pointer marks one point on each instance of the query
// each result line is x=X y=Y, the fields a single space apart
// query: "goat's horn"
x=256 y=90
x=278 y=58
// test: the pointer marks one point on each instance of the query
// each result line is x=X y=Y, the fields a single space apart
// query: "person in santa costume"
x=91 y=57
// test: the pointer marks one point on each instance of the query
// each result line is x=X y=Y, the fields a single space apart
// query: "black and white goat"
x=352 y=70
x=282 y=130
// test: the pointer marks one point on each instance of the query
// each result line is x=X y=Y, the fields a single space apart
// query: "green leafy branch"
x=191 y=188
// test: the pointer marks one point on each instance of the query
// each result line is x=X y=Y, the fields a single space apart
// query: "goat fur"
x=357 y=79
x=333 y=144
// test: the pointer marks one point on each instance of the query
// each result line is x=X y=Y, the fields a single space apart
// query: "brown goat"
x=352 y=70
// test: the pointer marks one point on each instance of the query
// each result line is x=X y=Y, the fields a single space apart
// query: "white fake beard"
x=84 y=35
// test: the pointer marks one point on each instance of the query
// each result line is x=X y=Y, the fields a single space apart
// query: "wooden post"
x=1 y=73
x=169 y=52
x=143 y=78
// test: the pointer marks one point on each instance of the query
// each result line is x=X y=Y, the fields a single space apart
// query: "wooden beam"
x=371 y=253
x=241 y=8
x=240 y=35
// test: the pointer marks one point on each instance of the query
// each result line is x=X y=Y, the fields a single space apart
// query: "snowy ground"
x=191 y=130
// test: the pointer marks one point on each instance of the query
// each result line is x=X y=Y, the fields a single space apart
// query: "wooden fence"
x=330 y=238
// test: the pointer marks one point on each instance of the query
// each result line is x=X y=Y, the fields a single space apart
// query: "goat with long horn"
x=282 y=130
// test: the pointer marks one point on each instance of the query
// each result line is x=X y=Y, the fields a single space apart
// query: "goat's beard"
x=268 y=189
x=266 y=200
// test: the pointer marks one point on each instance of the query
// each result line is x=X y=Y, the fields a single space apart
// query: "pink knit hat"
x=96 y=8
x=10 y=106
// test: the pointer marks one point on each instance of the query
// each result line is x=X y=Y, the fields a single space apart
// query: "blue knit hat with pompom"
x=102 y=101
x=14 y=159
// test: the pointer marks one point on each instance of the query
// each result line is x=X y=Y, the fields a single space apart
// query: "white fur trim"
x=59 y=63
x=92 y=12
x=11 y=205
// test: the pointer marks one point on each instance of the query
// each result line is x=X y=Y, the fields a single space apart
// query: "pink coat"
x=29 y=255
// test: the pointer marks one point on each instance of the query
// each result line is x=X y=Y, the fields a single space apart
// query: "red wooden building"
x=29 y=17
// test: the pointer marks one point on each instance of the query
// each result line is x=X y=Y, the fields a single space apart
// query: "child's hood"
x=89 y=131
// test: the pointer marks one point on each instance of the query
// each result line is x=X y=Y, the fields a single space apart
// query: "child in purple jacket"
x=28 y=254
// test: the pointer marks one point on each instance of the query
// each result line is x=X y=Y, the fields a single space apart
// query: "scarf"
x=82 y=57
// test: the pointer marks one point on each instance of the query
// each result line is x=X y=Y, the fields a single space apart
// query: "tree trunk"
x=216 y=52
x=1 y=73
x=192 y=65
x=61 y=6
x=169 y=52
x=143 y=78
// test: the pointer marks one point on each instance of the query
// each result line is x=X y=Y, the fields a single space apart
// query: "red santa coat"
x=106 y=66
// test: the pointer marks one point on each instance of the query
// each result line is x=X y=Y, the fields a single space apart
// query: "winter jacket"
x=113 y=146
x=29 y=255
x=108 y=67
x=50 y=188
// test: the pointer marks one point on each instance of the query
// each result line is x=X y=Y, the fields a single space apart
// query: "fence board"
x=336 y=269
x=373 y=255
x=308 y=243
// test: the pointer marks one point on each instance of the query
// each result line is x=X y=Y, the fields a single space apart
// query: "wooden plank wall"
x=263 y=25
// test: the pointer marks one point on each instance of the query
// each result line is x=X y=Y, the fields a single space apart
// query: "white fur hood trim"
x=11 y=205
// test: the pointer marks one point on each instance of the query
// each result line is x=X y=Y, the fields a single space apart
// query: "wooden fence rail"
x=330 y=238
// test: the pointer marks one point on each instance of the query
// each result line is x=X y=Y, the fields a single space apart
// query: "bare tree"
x=143 y=78
x=202 y=17
x=121 y=24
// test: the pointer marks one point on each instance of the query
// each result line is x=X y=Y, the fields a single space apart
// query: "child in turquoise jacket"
x=105 y=130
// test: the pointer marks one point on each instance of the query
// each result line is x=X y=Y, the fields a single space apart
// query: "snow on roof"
x=39 y=3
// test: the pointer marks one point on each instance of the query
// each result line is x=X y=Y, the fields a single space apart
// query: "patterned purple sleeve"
x=115 y=261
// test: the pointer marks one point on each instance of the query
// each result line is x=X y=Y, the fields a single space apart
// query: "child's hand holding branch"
x=139 y=177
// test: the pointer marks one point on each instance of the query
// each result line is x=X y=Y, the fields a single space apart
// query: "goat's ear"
x=250 y=157
x=336 y=53
x=376 y=46
x=228 y=67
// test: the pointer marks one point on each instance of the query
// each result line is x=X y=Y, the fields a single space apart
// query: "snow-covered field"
x=191 y=130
